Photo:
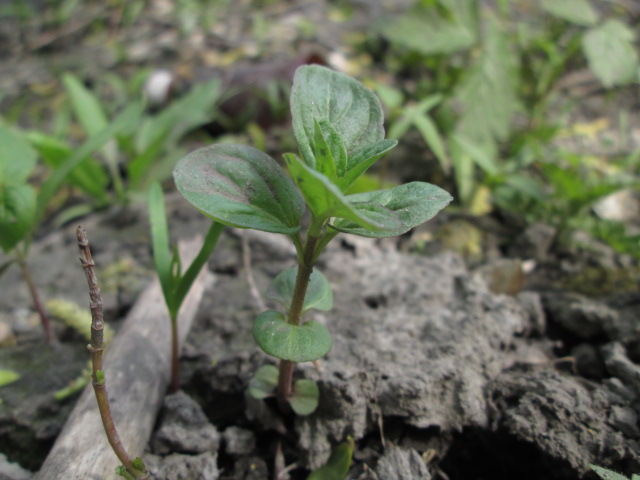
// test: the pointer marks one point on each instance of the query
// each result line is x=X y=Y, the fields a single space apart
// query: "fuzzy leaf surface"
x=414 y=203
x=304 y=397
x=326 y=200
x=297 y=343
x=240 y=186
x=322 y=95
x=319 y=294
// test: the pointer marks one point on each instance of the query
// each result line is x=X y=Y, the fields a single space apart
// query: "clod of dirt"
x=184 y=428
x=403 y=464
x=178 y=466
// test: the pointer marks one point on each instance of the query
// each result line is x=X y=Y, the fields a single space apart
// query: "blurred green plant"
x=131 y=159
x=484 y=97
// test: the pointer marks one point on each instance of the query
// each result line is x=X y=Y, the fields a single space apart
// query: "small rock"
x=532 y=305
x=12 y=471
x=589 y=362
x=535 y=242
x=578 y=314
x=400 y=464
x=249 y=468
x=183 y=467
x=625 y=420
x=619 y=365
x=504 y=275
x=238 y=441
x=184 y=428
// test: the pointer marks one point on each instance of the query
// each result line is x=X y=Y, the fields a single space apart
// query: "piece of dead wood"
x=137 y=367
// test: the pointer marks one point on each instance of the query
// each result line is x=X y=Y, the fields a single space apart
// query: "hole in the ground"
x=477 y=454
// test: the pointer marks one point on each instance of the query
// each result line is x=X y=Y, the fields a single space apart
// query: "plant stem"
x=175 y=371
x=96 y=347
x=44 y=318
x=305 y=268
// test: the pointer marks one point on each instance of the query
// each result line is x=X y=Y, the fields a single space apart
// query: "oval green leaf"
x=240 y=186
x=414 y=203
x=319 y=294
x=321 y=94
x=264 y=382
x=337 y=467
x=304 y=397
x=297 y=343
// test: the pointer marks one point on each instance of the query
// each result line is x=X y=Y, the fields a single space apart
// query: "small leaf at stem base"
x=304 y=397
x=337 y=467
x=319 y=294
x=264 y=382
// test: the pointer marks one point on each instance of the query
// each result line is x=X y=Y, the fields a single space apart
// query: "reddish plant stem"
x=44 y=318
x=96 y=347
x=286 y=368
x=175 y=347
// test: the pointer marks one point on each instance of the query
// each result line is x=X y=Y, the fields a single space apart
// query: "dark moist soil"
x=442 y=367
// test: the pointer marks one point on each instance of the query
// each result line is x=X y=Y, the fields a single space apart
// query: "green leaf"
x=323 y=95
x=363 y=158
x=240 y=186
x=297 y=343
x=159 y=132
x=611 y=54
x=304 y=397
x=17 y=158
x=17 y=214
x=414 y=203
x=7 y=377
x=326 y=200
x=120 y=123
x=89 y=112
x=264 y=382
x=329 y=149
x=88 y=176
x=488 y=96
x=337 y=467
x=429 y=30
x=575 y=11
x=162 y=257
x=607 y=474
x=319 y=294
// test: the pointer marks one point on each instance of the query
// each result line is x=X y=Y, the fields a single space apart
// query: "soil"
x=522 y=363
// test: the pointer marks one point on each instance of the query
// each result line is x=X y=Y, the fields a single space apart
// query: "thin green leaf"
x=304 y=397
x=264 y=382
x=431 y=136
x=210 y=242
x=611 y=53
x=297 y=343
x=607 y=474
x=120 y=123
x=7 y=377
x=88 y=176
x=337 y=467
x=414 y=203
x=240 y=186
x=319 y=294
x=363 y=158
x=160 y=242
x=89 y=112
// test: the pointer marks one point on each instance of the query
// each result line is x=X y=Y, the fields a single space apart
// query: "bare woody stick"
x=96 y=347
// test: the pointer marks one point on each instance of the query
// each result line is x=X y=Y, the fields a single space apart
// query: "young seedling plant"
x=174 y=282
x=338 y=124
